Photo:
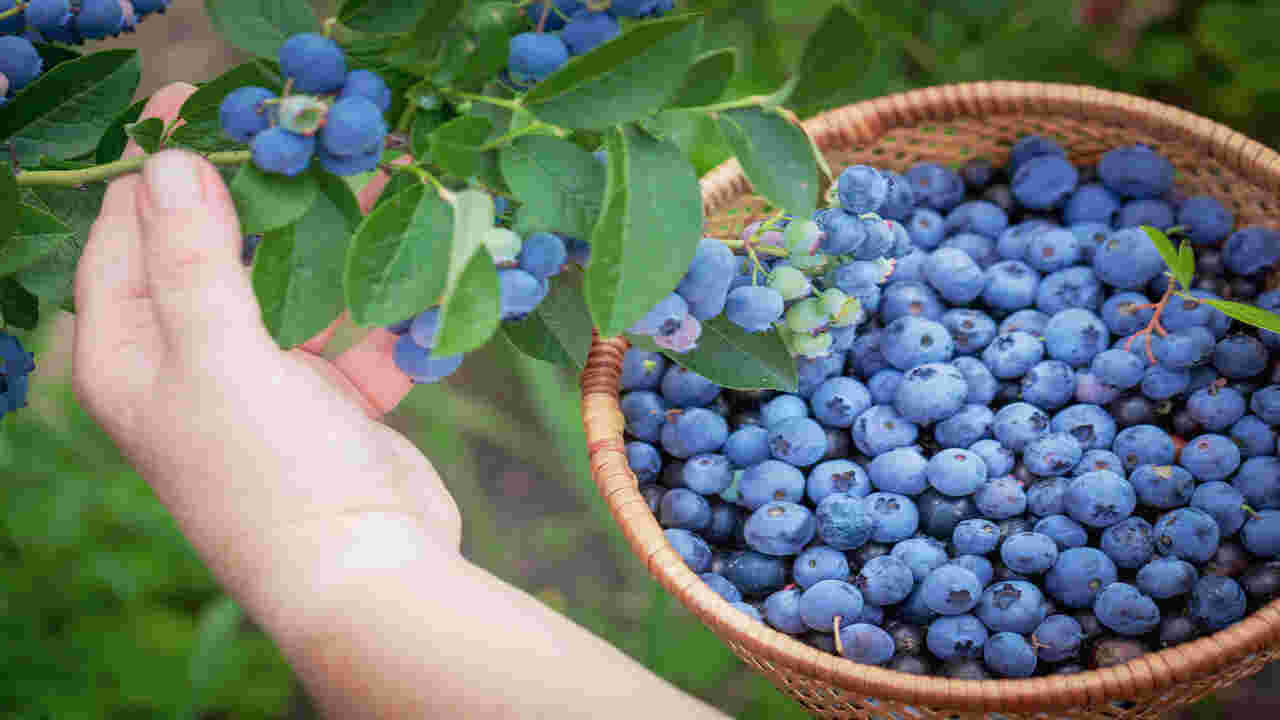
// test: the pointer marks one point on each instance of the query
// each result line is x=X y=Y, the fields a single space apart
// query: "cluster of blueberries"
x=333 y=114
x=570 y=28
x=16 y=364
x=989 y=479
x=525 y=267
x=59 y=21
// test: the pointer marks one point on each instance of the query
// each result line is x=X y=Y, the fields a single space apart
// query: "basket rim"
x=864 y=123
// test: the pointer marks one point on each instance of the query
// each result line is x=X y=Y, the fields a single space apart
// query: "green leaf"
x=202 y=130
x=706 y=81
x=54 y=55
x=625 y=79
x=696 y=133
x=472 y=58
x=18 y=307
x=425 y=122
x=380 y=16
x=266 y=201
x=1164 y=247
x=1186 y=270
x=114 y=140
x=78 y=208
x=749 y=26
x=370 y=52
x=559 y=329
x=455 y=145
x=297 y=270
x=1247 y=314
x=560 y=185
x=215 y=651
x=52 y=277
x=471 y=308
x=260 y=27
x=840 y=49
x=395 y=266
x=730 y=356
x=35 y=234
x=149 y=134
x=776 y=157
x=417 y=50
x=8 y=208
x=64 y=113
x=648 y=231
x=399 y=182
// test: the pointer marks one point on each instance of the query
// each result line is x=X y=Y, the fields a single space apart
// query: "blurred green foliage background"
x=105 y=612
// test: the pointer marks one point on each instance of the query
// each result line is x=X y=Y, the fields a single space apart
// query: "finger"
x=370 y=367
x=165 y=105
x=191 y=246
x=369 y=194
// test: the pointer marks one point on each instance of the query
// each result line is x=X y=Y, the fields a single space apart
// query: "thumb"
x=191 y=246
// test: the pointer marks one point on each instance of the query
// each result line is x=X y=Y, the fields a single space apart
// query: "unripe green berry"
x=802 y=237
x=840 y=308
x=813 y=346
x=807 y=317
x=811 y=265
x=790 y=283
x=503 y=244
x=302 y=114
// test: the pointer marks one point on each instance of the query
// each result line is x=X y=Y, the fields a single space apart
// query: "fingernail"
x=173 y=180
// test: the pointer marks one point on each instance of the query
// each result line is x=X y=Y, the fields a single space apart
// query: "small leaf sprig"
x=1182 y=267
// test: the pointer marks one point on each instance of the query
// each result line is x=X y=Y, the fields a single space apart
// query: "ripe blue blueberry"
x=682 y=387
x=355 y=126
x=1009 y=655
x=1125 y=610
x=1252 y=250
x=930 y=392
x=935 y=186
x=694 y=431
x=972 y=330
x=954 y=274
x=1146 y=211
x=1100 y=498
x=1144 y=445
x=533 y=56
x=683 y=508
x=314 y=62
x=1217 y=602
x=846 y=522
x=48 y=14
x=1065 y=532
x=1224 y=503
x=926 y=227
x=1184 y=349
x=1030 y=146
x=1161 y=383
x=1210 y=457
x=956 y=636
x=778 y=528
x=707 y=474
x=1049 y=384
x=1092 y=202
x=1136 y=171
x=586 y=30
x=705 y=286
x=99 y=18
x=799 y=441
x=1029 y=553
x=640 y=9
x=1019 y=423
x=754 y=308
x=519 y=292
x=922 y=555
x=347 y=165
x=1188 y=534
x=1078 y=575
x=894 y=517
x=1129 y=543
x=1010 y=285
x=19 y=61
x=998 y=458
x=880 y=429
x=862 y=189
x=1240 y=356
x=1167 y=577
x=1044 y=182
x=982 y=384
x=242 y=113
x=1206 y=220
x=885 y=580
x=722 y=587
x=1012 y=606
x=835 y=476
x=367 y=84
x=1058 y=638
x=1001 y=498
x=1075 y=336
x=645 y=413
x=900 y=470
x=902 y=198
x=755 y=573
x=769 y=481
x=1261 y=534
x=951 y=590
x=695 y=551
x=978 y=216
x=980 y=248
x=1012 y=354
x=642 y=370
x=819 y=562
x=883 y=384
x=1053 y=249
x=1119 y=368
x=1253 y=436
x=1216 y=408
x=903 y=298
x=782 y=611
x=1090 y=235
x=1071 y=287
x=839 y=400
x=1163 y=486
x=1048 y=497
x=956 y=472
x=644 y=460
x=663 y=319
x=867 y=644
x=826 y=600
x=967 y=426
x=279 y=151
x=1122 y=315
x=910 y=341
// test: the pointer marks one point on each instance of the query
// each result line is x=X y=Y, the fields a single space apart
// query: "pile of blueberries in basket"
x=996 y=477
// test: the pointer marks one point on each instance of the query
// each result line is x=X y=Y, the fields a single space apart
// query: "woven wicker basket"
x=953 y=124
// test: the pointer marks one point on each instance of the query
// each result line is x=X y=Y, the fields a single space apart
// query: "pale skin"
x=330 y=529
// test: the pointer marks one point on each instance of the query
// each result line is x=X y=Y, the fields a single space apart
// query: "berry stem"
x=546 y=10
x=13 y=10
x=764 y=249
x=97 y=173
x=328 y=26
x=1154 y=325
x=512 y=105
x=835 y=628
x=536 y=127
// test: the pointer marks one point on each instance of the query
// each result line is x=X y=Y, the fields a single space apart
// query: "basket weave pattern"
x=953 y=124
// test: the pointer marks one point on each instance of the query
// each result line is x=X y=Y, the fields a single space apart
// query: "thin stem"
x=73 y=178
x=835 y=629
x=744 y=102
x=530 y=129
x=512 y=105
x=763 y=249
x=1154 y=325
x=13 y=10
x=546 y=10
x=328 y=26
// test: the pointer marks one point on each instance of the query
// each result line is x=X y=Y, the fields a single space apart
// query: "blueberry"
x=705 y=286
x=1009 y=655
x=1000 y=498
x=978 y=565
x=642 y=370
x=843 y=233
x=862 y=189
x=1078 y=575
x=813 y=371
x=1092 y=202
x=798 y=440
x=520 y=293
x=966 y=427
x=1129 y=543
x=956 y=472
x=951 y=590
x=420 y=365
x=644 y=460
x=1118 y=367
x=846 y=522
x=1145 y=211
x=754 y=573
x=645 y=413
x=1010 y=285
x=1100 y=498
x=1188 y=534
x=1071 y=287
x=906 y=297
x=99 y=18
x=839 y=400
x=826 y=600
x=683 y=508
x=972 y=330
x=769 y=481
x=1075 y=336
x=1011 y=606
x=977 y=216
x=754 y=308
x=1128 y=260
x=782 y=611
x=663 y=318
x=1122 y=315
x=1217 y=602
x=1065 y=532
x=930 y=392
x=998 y=458
x=980 y=248
x=865 y=357
x=722 y=587
x=1210 y=457
x=1090 y=235
x=694 y=431
x=939 y=514
x=692 y=549
x=727 y=520
x=1029 y=553
x=48 y=14
x=1125 y=610
x=1136 y=171
x=922 y=555
x=976 y=536
x=1166 y=577
x=935 y=186
x=1163 y=486
x=1253 y=436
x=1184 y=349
x=883 y=384
x=543 y=254
x=586 y=30
x=982 y=384
x=1018 y=424
x=1161 y=383
x=926 y=228
x=315 y=63
x=956 y=636
x=954 y=274
x=1240 y=356
x=534 y=56
x=1058 y=638
x=682 y=387
x=1044 y=182
x=1216 y=408
x=778 y=528
x=783 y=407
x=707 y=474
x=1031 y=146
x=880 y=429
x=867 y=644
x=367 y=84
x=1206 y=220
x=1012 y=354
x=1261 y=533
x=820 y=562
x=1098 y=460
x=640 y=8
x=1252 y=250
x=1224 y=503
x=836 y=476
x=1142 y=445
x=901 y=470
x=894 y=517
x=1052 y=250
x=279 y=151
x=1265 y=403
